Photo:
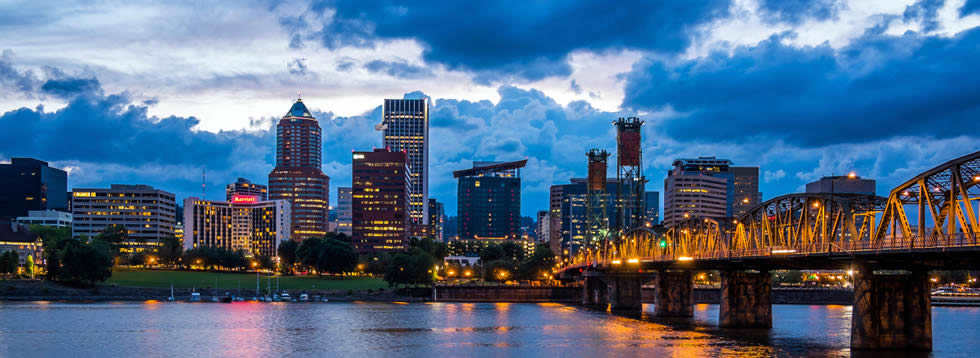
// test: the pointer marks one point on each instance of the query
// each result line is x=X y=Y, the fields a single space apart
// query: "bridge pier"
x=891 y=311
x=674 y=294
x=625 y=294
x=595 y=294
x=746 y=300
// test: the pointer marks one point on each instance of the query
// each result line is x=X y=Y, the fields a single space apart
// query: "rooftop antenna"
x=203 y=186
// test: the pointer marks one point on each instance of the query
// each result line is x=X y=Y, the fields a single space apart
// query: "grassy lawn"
x=204 y=279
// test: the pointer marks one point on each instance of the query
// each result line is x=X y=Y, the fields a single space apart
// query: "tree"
x=541 y=262
x=170 y=250
x=29 y=266
x=86 y=264
x=377 y=264
x=337 y=257
x=115 y=236
x=492 y=253
x=512 y=250
x=500 y=270
x=287 y=255
x=9 y=261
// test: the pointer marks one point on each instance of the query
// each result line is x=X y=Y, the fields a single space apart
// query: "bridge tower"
x=630 y=183
x=596 y=220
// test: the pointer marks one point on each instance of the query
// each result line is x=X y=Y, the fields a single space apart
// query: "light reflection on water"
x=436 y=329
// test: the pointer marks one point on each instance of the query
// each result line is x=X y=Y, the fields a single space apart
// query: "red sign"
x=244 y=199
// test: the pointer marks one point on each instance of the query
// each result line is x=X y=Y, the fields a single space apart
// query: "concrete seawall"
x=573 y=295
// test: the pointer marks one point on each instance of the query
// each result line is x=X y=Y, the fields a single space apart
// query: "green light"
x=663 y=243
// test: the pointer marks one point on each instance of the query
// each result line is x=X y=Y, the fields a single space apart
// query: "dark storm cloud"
x=398 y=69
x=521 y=40
x=10 y=77
x=877 y=87
x=109 y=129
x=926 y=12
x=71 y=87
x=797 y=11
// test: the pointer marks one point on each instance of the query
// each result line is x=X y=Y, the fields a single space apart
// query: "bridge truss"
x=937 y=209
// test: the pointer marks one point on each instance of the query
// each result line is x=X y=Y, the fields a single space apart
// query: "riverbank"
x=38 y=290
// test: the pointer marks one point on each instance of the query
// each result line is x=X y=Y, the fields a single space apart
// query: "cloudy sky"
x=152 y=92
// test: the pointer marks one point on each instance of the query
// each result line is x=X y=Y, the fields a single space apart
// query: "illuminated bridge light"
x=783 y=251
x=685 y=258
x=633 y=261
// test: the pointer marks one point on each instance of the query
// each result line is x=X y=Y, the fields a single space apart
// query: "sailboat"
x=171 y=298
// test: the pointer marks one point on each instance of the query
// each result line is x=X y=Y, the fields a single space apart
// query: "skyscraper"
x=243 y=223
x=746 y=182
x=406 y=128
x=380 y=220
x=344 y=210
x=297 y=176
x=437 y=219
x=29 y=184
x=489 y=201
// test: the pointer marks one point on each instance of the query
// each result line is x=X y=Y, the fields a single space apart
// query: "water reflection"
x=440 y=329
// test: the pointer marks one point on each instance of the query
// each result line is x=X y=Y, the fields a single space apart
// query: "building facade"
x=244 y=187
x=344 y=210
x=568 y=214
x=849 y=184
x=297 y=177
x=148 y=214
x=542 y=230
x=30 y=184
x=437 y=219
x=19 y=238
x=46 y=218
x=746 y=190
x=242 y=224
x=380 y=219
x=652 y=201
x=406 y=128
x=709 y=187
x=489 y=201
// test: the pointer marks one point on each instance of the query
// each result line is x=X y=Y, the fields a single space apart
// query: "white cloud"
x=771 y=176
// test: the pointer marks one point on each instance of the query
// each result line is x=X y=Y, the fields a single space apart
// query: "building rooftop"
x=14 y=232
x=483 y=168
x=299 y=110
x=706 y=161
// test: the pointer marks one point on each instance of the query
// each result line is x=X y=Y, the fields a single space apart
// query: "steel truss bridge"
x=934 y=214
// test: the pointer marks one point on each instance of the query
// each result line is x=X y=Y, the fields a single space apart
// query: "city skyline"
x=550 y=103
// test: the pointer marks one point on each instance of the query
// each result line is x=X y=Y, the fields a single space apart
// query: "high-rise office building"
x=568 y=214
x=29 y=184
x=437 y=219
x=746 y=188
x=243 y=223
x=380 y=218
x=708 y=187
x=542 y=230
x=244 y=187
x=148 y=214
x=652 y=202
x=406 y=128
x=697 y=188
x=344 y=210
x=297 y=176
x=489 y=201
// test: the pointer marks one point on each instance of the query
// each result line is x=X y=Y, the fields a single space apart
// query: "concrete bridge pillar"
x=746 y=300
x=891 y=311
x=625 y=294
x=594 y=293
x=674 y=294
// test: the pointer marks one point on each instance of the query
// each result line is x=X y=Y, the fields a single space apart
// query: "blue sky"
x=152 y=92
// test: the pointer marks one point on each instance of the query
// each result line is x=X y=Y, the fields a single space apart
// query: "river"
x=160 y=329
